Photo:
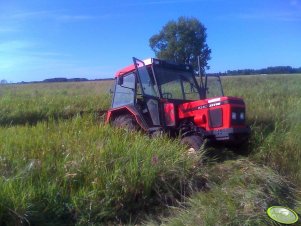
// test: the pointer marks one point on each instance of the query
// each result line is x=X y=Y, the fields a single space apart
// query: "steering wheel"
x=167 y=95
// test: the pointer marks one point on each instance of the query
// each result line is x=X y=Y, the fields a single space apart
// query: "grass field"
x=30 y=103
x=59 y=165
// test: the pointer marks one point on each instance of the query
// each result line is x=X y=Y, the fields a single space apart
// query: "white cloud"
x=276 y=16
x=5 y=30
x=22 y=60
x=46 y=15
x=294 y=2
x=15 y=45
x=25 y=15
x=71 y=18
x=36 y=68
x=162 y=2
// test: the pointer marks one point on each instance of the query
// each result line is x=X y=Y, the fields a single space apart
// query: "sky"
x=94 y=38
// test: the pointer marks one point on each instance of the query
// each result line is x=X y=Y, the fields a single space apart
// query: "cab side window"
x=124 y=91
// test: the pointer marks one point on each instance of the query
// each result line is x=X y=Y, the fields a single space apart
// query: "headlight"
x=234 y=116
x=242 y=116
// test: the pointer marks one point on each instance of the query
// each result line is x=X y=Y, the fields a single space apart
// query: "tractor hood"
x=192 y=109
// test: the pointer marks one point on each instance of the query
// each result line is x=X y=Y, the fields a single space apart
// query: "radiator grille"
x=216 y=118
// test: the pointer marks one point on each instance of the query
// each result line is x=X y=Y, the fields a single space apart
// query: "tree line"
x=268 y=70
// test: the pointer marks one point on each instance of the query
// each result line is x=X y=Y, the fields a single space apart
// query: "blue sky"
x=94 y=38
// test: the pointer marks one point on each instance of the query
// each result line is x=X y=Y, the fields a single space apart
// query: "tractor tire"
x=193 y=142
x=126 y=122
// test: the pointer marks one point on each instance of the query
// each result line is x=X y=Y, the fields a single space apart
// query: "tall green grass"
x=273 y=111
x=77 y=171
x=30 y=103
x=240 y=193
x=60 y=168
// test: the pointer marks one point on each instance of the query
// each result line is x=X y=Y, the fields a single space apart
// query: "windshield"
x=214 y=87
x=177 y=84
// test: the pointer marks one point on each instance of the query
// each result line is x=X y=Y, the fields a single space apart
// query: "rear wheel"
x=126 y=121
x=193 y=142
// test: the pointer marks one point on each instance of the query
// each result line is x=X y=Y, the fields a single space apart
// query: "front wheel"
x=193 y=142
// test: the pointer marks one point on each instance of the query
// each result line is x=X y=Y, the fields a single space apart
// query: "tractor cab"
x=156 y=95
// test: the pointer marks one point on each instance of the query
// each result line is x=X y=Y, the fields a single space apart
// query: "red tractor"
x=158 y=96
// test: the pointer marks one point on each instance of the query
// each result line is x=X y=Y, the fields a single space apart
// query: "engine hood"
x=186 y=109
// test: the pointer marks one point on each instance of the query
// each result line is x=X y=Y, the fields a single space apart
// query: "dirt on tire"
x=126 y=121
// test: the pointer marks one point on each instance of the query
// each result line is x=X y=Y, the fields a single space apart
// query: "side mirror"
x=120 y=81
x=112 y=89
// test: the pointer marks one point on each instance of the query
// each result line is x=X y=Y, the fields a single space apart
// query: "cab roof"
x=131 y=67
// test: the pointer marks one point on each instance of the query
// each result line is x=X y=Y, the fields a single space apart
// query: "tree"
x=182 y=41
x=3 y=81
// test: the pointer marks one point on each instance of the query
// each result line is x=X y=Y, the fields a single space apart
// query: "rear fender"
x=115 y=112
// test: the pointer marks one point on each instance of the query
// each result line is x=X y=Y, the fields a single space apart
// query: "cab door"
x=149 y=91
x=124 y=91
